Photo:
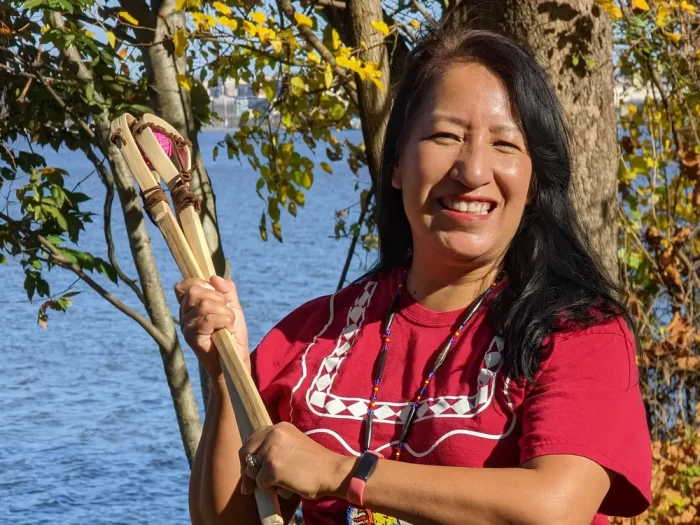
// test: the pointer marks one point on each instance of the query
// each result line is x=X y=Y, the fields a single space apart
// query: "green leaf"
x=337 y=111
x=215 y=153
x=327 y=167
x=273 y=209
x=633 y=261
x=107 y=270
x=32 y=3
x=3 y=259
x=30 y=285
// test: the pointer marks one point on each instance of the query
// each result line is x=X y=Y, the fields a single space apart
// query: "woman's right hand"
x=204 y=309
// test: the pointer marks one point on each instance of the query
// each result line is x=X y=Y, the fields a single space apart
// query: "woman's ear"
x=396 y=176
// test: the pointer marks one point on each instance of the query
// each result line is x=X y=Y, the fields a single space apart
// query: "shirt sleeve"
x=279 y=350
x=586 y=401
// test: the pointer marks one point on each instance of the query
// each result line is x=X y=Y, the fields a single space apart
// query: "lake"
x=89 y=434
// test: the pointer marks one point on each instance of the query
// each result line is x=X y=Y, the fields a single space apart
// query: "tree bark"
x=184 y=402
x=174 y=104
x=373 y=103
x=573 y=41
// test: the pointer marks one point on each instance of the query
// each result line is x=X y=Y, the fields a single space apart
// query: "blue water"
x=88 y=432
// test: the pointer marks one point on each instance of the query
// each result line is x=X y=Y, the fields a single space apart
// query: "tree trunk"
x=173 y=104
x=573 y=41
x=374 y=104
x=184 y=402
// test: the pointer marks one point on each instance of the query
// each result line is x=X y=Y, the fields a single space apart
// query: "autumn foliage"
x=658 y=66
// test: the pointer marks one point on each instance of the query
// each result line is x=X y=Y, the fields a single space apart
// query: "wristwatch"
x=363 y=470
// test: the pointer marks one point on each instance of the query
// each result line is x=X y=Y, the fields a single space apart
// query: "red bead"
x=376 y=389
x=426 y=381
x=372 y=404
x=417 y=398
x=456 y=334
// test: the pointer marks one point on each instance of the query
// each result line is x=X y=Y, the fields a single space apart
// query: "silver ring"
x=253 y=462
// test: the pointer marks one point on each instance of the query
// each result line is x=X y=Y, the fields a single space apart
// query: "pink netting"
x=164 y=142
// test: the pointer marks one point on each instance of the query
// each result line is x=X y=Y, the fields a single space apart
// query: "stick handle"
x=244 y=395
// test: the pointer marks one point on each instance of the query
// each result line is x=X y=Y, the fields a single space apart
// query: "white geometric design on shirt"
x=439 y=407
x=323 y=402
x=383 y=412
x=335 y=406
x=318 y=399
x=358 y=409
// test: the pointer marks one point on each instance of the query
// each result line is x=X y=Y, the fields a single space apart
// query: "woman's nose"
x=472 y=167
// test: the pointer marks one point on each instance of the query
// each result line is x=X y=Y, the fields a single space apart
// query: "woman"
x=485 y=358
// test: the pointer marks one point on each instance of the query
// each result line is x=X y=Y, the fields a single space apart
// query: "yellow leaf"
x=228 y=22
x=298 y=85
x=336 y=39
x=416 y=24
x=89 y=33
x=632 y=109
x=259 y=17
x=180 y=41
x=180 y=4
x=276 y=45
x=381 y=27
x=673 y=37
x=250 y=28
x=222 y=8
x=685 y=6
x=184 y=81
x=662 y=14
x=313 y=57
x=122 y=53
x=126 y=16
x=328 y=76
x=612 y=10
x=378 y=83
x=111 y=39
x=640 y=4
x=265 y=34
x=303 y=20
x=292 y=42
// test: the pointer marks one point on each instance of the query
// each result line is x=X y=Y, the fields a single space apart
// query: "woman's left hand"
x=291 y=460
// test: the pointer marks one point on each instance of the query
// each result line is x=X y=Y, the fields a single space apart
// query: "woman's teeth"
x=479 y=208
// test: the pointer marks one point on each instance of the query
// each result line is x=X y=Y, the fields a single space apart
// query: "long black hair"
x=554 y=278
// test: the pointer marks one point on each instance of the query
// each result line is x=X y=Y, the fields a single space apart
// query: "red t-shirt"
x=314 y=369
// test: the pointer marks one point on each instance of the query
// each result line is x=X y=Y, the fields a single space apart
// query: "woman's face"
x=464 y=170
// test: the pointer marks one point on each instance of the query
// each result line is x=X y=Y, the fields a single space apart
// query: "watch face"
x=366 y=465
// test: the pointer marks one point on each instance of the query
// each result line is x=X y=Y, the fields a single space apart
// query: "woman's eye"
x=445 y=137
x=506 y=144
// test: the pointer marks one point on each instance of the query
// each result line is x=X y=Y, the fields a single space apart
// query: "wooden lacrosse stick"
x=192 y=256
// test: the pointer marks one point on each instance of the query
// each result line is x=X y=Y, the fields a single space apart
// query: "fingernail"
x=209 y=287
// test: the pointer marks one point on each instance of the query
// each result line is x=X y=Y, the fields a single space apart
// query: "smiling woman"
x=486 y=354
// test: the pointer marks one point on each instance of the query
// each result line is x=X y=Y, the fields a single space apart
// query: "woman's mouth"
x=471 y=207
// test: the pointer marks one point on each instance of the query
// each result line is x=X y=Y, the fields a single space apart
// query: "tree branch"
x=331 y=3
x=353 y=243
x=62 y=104
x=423 y=12
x=108 y=183
x=57 y=258
x=307 y=33
x=61 y=261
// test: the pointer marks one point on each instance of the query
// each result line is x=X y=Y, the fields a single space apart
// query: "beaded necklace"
x=439 y=360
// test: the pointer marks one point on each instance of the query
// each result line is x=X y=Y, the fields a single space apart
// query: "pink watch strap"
x=356 y=489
